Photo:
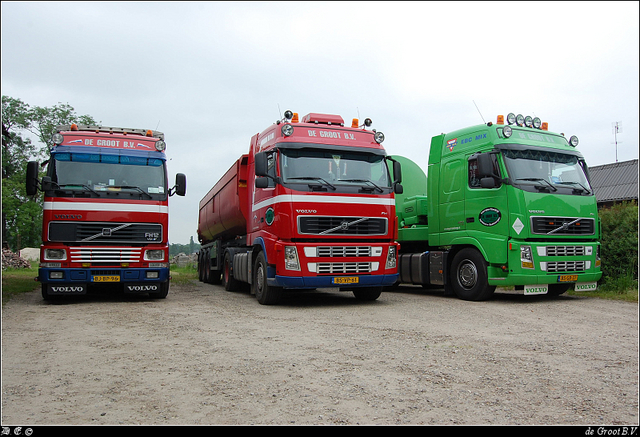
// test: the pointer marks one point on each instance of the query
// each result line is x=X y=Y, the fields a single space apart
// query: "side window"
x=271 y=168
x=474 y=176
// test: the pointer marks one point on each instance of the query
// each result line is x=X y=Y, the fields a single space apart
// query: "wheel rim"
x=467 y=274
x=259 y=279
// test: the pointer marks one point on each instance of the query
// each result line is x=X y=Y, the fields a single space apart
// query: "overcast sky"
x=211 y=75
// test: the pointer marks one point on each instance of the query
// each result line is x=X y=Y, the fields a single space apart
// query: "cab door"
x=486 y=209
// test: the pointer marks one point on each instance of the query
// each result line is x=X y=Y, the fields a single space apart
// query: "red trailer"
x=310 y=206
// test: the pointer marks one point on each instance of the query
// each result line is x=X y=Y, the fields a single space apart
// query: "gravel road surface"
x=207 y=356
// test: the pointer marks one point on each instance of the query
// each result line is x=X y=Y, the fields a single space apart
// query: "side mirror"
x=485 y=165
x=261 y=165
x=397 y=188
x=181 y=185
x=397 y=172
x=32 y=178
x=262 y=182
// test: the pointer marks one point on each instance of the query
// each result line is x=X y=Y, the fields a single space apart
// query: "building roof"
x=615 y=182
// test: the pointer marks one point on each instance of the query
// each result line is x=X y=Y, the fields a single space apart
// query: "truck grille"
x=337 y=268
x=107 y=232
x=566 y=266
x=316 y=225
x=343 y=251
x=562 y=226
x=104 y=254
x=565 y=250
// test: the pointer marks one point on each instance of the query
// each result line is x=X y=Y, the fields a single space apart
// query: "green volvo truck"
x=504 y=205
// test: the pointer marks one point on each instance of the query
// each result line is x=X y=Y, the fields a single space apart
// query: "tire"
x=265 y=294
x=469 y=276
x=164 y=290
x=201 y=267
x=367 y=293
x=229 y=282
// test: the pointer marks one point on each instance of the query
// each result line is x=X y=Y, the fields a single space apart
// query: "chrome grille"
x=343 y=251
x=565 y=250
x=566 y=266
x=105 y=232
x=105 y=254
x=336 y=268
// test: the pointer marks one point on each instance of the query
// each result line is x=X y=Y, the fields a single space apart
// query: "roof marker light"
x=74 y=126
x=545 y=126
x=294 y=119
x=149 y=133
x=354 y=123
x=500 y=119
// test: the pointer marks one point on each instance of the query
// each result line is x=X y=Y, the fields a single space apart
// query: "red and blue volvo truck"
x=502 y=205
x=310 y=206
x=106 y=213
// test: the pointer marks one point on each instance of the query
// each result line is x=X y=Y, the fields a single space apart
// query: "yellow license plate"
x=567 y=278
x=106 y=279
x=345 y=280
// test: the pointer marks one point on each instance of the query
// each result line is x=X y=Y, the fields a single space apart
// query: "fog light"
x=56 y=275
x=152 y=275
x=287 y=130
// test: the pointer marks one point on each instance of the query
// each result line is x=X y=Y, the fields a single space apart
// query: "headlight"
x=55 y=254
x=379 y=137
x=154 y=255
x=526 y=257
x=287 y=130
x=291 y=258
x=391 y=258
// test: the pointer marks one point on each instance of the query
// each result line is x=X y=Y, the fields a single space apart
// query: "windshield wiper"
x=72 y=186
x=538 y=179
x=312 y=178
x=575 y=189
x=131 y=187
x=362 y=180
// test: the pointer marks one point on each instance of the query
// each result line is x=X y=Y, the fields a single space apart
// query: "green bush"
x=619 y=241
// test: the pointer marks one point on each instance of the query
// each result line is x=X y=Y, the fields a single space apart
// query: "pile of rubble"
x=13 y=260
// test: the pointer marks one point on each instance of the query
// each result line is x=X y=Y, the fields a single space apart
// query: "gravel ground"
x=207 y=356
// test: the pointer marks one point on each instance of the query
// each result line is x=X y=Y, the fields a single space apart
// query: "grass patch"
x=621 y=288
x=183 y=275
x=17 y=281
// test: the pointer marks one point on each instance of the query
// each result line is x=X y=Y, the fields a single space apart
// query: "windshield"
x=99 y=175
x=541 y=169
x=333 y=168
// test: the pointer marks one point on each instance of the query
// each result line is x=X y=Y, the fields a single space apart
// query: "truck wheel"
x=229 y=282
x=164 y=290
x=368 y=293
x=469 y=276
x=265 y=294
x=200 y=267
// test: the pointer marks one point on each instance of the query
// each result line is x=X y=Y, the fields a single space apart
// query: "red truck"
x=105 y=219
x=310 y=206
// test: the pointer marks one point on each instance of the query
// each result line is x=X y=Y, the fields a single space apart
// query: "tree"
x=21 y=214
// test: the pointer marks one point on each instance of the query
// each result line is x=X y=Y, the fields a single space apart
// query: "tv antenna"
x=474 y=102
x=617 y=128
